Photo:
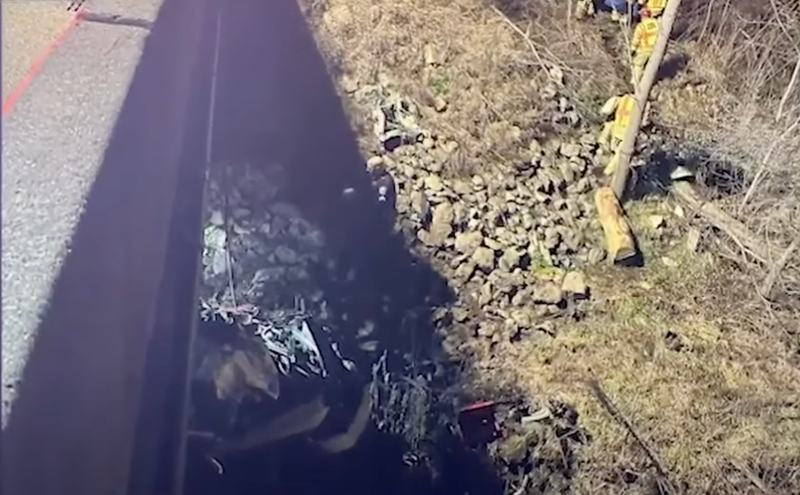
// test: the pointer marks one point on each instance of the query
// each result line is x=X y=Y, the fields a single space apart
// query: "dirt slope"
x=484 y=117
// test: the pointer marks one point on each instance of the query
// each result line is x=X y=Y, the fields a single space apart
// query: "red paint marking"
x=478 y=405
x=38 y=63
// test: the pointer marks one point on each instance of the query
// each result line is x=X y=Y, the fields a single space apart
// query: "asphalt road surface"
x=97 y=155
x=28 y=28
x=90 y=154
x=53 y=143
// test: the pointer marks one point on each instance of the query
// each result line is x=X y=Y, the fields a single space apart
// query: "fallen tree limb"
x=615 y=413
x=777 y=268
x=754 y=245
x=736 y=230
x=642 y=94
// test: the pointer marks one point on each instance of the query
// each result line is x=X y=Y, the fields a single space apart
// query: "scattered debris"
x=269 y=344
x=681 y=173
x=301 y=419
x=253 y=370
x=540 y=415
x=477 y=423
x=396 y=118
x=347 y=440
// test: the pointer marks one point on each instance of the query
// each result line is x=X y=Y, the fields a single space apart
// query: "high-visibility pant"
x=611 y=167
x=607 y=140
x=615 y=145
x=640 y=59
x=604 y=138
x=609 y=134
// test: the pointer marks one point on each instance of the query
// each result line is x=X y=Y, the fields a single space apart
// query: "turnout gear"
x=621 y=107
x=614 y=132
x=643 y=43
x=652 y=8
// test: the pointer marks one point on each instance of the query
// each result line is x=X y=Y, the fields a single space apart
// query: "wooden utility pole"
x=620 y=178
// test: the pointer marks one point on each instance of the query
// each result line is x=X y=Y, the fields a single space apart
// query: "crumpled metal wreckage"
x=269 y=345
x=285 y=334
x=288 y=347
x=259 y=342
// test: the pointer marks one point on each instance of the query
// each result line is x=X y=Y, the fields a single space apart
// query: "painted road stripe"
x=38 y=63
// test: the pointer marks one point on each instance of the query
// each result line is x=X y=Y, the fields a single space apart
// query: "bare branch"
x=530 y=44
x=707 y=20
x=777 y=268
x=615 y=413
x=789 y=88
x=763 y=168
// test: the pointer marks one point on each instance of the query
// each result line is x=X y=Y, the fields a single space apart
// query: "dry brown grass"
x=739 y=100
x=698 y=363
x=713 y=392
x=489 y=75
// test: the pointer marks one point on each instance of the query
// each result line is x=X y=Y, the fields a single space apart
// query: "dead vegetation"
x=738 y=100
x=708 y=391
x=688 y=349
x=494 y=93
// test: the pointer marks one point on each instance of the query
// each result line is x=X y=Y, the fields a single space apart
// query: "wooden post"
x=642 y=94
x=619 y=238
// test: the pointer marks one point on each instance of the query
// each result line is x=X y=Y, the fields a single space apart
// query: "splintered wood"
x=620 y=245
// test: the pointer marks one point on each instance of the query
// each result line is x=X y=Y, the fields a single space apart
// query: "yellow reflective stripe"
x=623 y=112
x=649 y=33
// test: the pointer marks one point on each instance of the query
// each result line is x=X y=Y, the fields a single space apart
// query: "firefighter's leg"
x=580 y=10
x=639 y=63
x=611 y=167
x=603 y=139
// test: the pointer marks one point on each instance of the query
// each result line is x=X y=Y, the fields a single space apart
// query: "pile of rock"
x=509 y=240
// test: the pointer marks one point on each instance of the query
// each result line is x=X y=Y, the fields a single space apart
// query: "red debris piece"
x=477 y=423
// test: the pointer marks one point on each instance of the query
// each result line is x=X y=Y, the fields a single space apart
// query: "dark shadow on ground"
x=276 y=104
x=719 y=178
x=672 y=66
x=72 y=428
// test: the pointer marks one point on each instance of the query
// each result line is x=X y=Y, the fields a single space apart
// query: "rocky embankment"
x=512 y=241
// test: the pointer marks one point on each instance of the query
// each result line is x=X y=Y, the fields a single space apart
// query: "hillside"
x=677 y=376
